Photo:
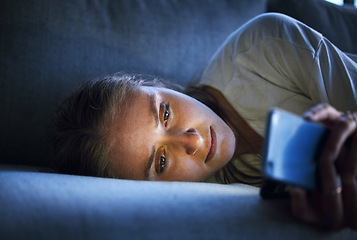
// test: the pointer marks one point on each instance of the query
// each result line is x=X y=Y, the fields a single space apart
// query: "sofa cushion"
x=55 y=206
x=337 y=23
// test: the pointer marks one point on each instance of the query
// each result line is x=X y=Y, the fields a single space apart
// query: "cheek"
x=228 y=145
x=191 y=109
x=187 y=171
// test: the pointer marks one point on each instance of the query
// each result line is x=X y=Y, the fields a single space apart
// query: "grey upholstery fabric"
x=49 y=47
x=336 y=23
x=73 y=207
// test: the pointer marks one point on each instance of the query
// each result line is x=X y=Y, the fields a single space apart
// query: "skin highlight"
x=165 y=135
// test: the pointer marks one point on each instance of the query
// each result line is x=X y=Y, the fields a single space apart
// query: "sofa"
x=49 y=47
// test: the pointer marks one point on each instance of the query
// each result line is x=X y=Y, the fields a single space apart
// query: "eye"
x=161 y=163
x=166 y=113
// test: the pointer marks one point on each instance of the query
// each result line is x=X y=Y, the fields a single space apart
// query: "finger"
x=348 y=165
x=349 y=196
x=351 y=124
x=323 y=113
x=342 y=129
x=312 y=111
x=332 y=206
x=349 y=184
x=302 y=208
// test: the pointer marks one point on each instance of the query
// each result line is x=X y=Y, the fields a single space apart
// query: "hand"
x=335 y=205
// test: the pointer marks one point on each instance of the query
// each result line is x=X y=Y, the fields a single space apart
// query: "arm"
x=275 y=60
x=298 y=59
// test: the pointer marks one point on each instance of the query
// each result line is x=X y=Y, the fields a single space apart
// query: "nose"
x=190 y=139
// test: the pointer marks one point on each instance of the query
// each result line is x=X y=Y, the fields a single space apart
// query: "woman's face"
x=165 y=135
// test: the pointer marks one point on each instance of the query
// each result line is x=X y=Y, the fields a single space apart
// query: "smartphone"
x=290 y=149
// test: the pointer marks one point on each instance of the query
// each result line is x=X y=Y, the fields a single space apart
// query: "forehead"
x=130 y=134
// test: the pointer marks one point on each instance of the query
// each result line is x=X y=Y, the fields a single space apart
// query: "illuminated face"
x=165 y=135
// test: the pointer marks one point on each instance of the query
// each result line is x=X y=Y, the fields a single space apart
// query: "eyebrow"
x=149 y=163
x=153 y=108
x=154 y=112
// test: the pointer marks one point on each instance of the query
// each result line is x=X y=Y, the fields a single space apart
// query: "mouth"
x=212 y=145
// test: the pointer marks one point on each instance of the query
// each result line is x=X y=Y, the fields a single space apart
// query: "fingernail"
x=308 y=115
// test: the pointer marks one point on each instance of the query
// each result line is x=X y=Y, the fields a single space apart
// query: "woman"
x=124 y=126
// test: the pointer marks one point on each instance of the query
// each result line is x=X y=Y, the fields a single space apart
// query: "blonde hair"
x=83 y=120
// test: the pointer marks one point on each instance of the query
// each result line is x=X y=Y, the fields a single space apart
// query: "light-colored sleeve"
x=339 y=76
x=297 y=58
x=275 y=60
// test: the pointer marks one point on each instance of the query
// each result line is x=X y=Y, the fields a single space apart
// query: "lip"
x=212 y=145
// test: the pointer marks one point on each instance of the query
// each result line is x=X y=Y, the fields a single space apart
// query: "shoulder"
x=274 y=27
